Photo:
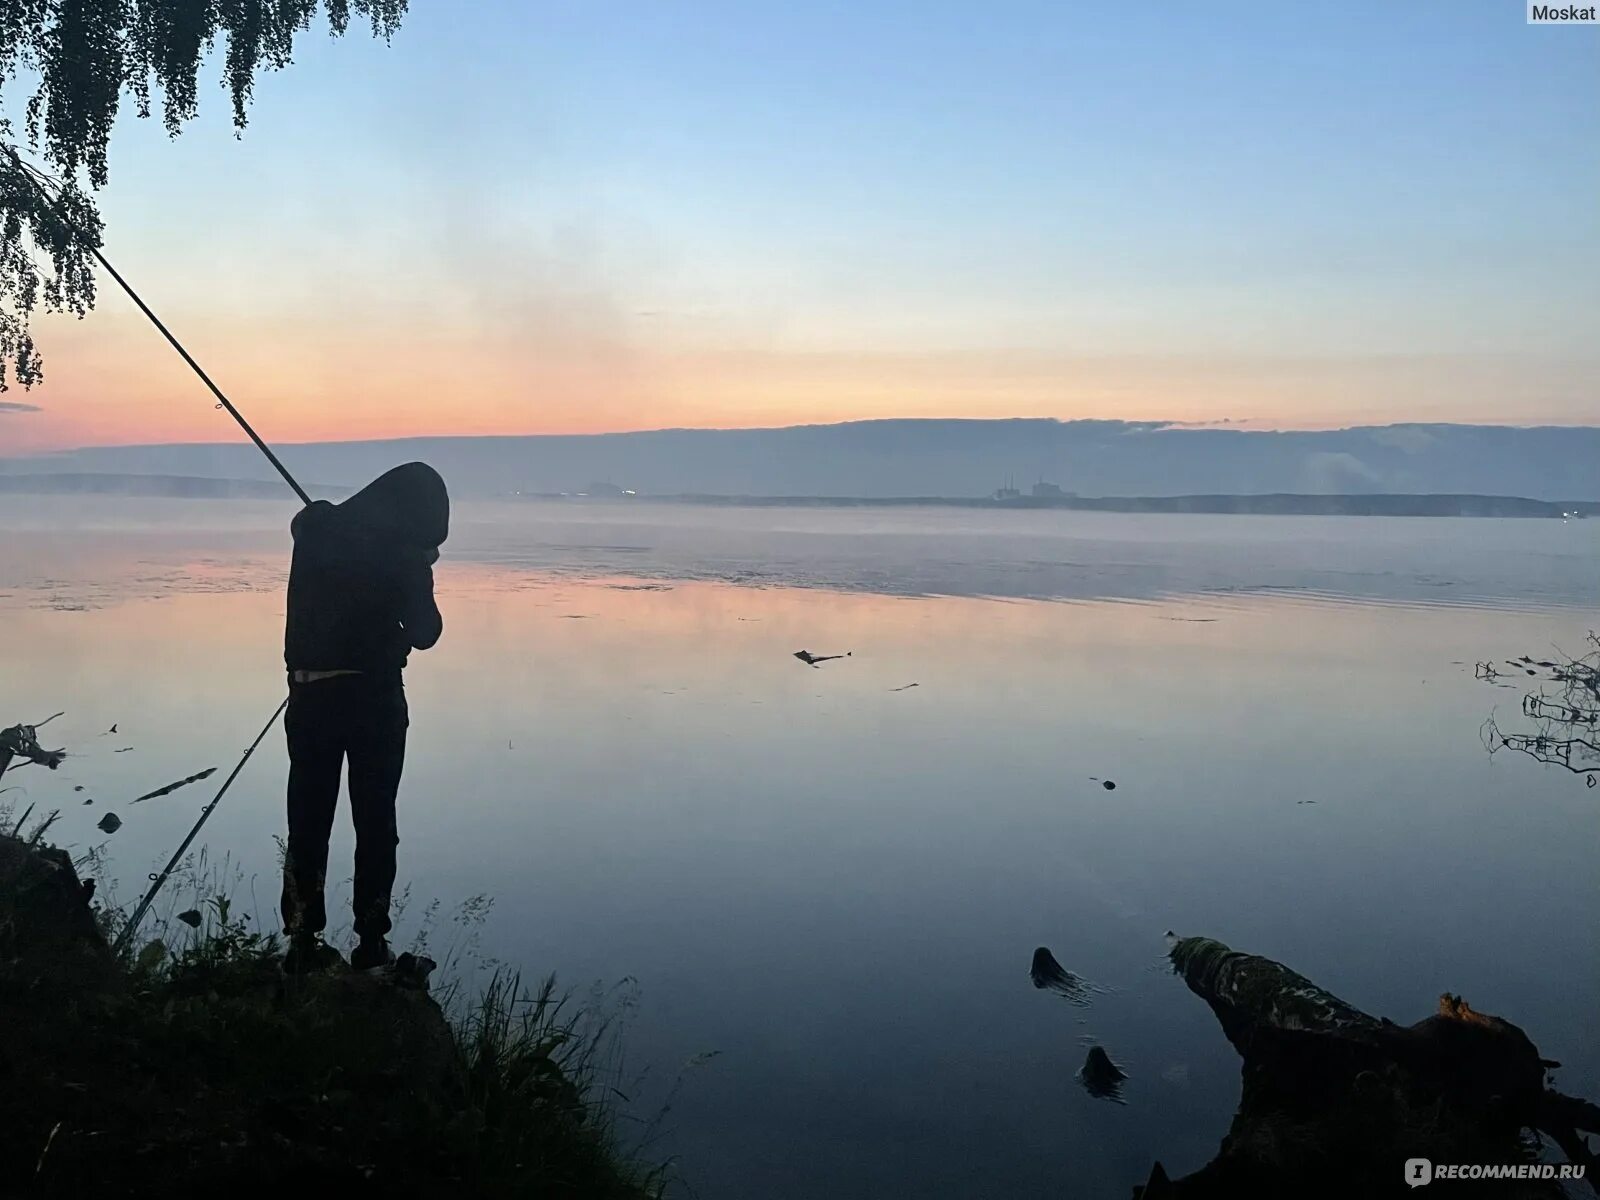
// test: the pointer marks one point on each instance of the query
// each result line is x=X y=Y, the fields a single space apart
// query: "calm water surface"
x=837 y=885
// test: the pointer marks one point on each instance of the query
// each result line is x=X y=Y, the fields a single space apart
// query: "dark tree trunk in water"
x=1334 y=1101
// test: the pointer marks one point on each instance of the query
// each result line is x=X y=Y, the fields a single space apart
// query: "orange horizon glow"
x=112 y=381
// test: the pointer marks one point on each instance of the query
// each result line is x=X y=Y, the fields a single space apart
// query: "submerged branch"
x=1564 y=712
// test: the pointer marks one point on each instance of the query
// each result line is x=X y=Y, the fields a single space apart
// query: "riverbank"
x=201 y=1064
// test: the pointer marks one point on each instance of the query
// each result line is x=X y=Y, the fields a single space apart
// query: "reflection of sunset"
x=649 y=784
x=543 y=648
x=613 y=694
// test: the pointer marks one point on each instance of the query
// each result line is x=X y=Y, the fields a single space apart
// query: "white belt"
x=313 y=676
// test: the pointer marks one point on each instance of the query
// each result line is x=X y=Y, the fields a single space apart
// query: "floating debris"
x=905 y=687
x=1101 y=1077
x=172 y=787
x=109 y=823
x=124 y=750
x=79 y=788
x=190 y=918
x=89 y=800
x=812 y=660
x=1109 y=785
x=1048 y=973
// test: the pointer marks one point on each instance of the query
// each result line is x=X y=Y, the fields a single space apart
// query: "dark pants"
x=329 y=721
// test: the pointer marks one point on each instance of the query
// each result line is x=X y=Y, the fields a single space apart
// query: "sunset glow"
x=534 y=222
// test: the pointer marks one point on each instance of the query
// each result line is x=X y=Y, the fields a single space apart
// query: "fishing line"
x=222 y=401
x=160 y=878
x=36 y=180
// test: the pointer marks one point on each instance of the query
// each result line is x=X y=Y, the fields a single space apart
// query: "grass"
x=192 y=1061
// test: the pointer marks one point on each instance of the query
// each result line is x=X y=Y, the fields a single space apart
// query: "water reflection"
x=1561 y=725
x=658 y=790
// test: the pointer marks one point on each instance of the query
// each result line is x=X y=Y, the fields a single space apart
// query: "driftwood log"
x=22 y=741
x=1334 y=1101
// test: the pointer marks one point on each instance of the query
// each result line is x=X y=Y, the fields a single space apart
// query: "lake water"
x=836 y=881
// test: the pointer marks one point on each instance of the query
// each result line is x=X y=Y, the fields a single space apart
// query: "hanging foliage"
x=68 y=63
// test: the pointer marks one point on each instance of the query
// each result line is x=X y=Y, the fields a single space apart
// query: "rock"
x=1101 y=1077
x=1049 y=974
x=412 y=971
x=386 y=1028
x=172 y=1077
x=47 y=928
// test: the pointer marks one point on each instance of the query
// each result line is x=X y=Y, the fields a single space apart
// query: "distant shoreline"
x=1269 y=504
x=941 y=462
x=167 y=487
x=1391 y=504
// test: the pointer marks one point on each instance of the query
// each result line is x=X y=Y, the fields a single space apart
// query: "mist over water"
x=159 y=545
x=839 y=882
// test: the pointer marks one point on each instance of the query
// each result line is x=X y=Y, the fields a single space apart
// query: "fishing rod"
x=93 y=246
x=161 y=876
x=35 y=179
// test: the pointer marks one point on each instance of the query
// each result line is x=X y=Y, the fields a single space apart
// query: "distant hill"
x=932 y=458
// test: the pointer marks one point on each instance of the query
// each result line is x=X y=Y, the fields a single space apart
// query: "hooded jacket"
x=361 y=580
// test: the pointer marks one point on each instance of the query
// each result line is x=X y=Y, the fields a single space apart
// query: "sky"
x=566 y=218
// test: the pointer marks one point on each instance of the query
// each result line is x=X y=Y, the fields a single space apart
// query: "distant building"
x=1048 y=491
x=1006 y=493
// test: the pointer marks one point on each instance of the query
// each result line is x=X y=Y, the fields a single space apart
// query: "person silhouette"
x=360 y=600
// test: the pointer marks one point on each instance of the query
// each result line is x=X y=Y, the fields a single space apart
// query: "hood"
x=409 y=504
